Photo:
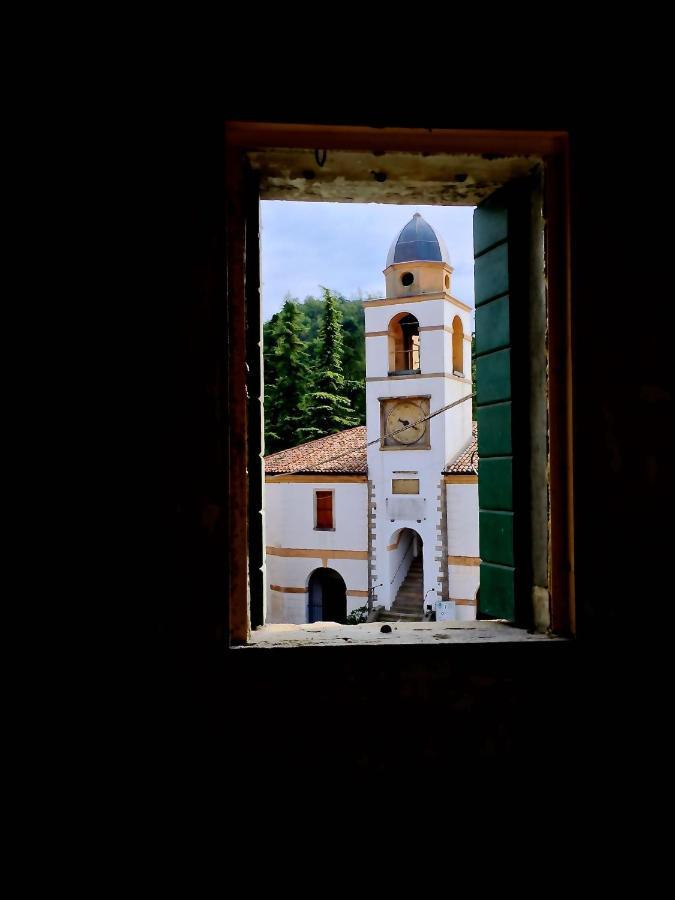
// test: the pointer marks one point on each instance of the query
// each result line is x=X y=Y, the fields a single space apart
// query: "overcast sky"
x=344 y=247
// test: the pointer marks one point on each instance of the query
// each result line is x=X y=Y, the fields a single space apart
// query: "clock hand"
x=407 y=424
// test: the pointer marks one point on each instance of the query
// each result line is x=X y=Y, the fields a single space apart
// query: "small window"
x=324 y=510
x=405 y=486
x=407 y=279
x=457 y=347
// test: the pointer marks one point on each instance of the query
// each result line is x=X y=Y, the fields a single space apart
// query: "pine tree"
x=326 y=405
x=354 y=344
x=286 y=374
x=354 y=359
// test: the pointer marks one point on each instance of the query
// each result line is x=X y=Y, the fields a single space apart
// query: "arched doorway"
x=327 y=597
x=406 y=575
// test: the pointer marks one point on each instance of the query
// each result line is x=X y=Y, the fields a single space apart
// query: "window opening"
x=324 y=510
x=457 y=347
x=404 y=344
x=410 y=418
x=410 y=330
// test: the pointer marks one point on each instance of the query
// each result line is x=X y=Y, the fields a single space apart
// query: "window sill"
x=324 y=529
x=330 y=634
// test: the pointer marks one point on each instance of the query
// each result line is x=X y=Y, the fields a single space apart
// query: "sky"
x=344 y=247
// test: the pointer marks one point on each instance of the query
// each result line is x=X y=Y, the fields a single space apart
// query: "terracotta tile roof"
x=317 y=456
x=466 y=461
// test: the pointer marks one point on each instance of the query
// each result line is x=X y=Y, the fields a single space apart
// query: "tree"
x=327 y=405
x=354 y=360
x=286 y=374
x=354 y=344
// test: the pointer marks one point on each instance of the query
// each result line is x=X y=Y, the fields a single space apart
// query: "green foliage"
x=354 y=359
x=285 y=414
x=286 y=376
x=326 y=405
x=357 y=616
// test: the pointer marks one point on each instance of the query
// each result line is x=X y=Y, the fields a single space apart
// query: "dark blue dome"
x=417 y=241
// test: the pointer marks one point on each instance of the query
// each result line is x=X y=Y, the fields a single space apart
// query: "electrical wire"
x=377 y=440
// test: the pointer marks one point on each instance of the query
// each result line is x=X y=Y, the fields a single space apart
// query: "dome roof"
x=418 y=241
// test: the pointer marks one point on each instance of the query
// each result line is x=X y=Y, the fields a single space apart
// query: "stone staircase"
x=407 y=607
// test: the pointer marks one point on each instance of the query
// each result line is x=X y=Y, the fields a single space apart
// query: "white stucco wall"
x=463 y=581
x=465 y=613
x=289 y=517
x=462 y=507
x=286 y=609
x=377 y=355
x=427 y=312
x=449 y=432
x=463 y=542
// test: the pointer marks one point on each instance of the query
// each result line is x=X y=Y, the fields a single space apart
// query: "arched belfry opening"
x=404 y=345
x=457 y=346
x=327 y=597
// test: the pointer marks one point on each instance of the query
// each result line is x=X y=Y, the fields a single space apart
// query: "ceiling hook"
x=320 y=161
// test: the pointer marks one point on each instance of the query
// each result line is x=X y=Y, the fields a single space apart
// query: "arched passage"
x=406 y=574
x=404 y=344
x=327 y=597
x=457 y=345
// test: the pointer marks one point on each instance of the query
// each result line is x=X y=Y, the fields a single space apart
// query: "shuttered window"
x=501 y=248
x=324 y=509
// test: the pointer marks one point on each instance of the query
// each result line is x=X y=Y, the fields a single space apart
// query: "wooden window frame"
x=549 y=146
x=318 y=491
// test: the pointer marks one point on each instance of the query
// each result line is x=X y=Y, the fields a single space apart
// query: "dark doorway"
x=327 y=597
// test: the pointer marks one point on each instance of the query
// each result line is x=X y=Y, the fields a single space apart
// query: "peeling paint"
x=353 y=176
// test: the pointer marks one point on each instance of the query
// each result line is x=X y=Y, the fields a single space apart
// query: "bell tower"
x=418 y=359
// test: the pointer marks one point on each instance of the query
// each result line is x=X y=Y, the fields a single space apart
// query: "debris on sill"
x=333 y=634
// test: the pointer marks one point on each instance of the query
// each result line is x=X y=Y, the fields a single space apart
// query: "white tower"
x=418 y=359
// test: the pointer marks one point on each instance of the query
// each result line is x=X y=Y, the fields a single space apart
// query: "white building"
x=400 y=516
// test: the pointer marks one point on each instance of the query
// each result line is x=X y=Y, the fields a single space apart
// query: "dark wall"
x=623 y=381
x=546 y=714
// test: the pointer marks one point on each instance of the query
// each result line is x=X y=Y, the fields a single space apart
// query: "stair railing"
x=371 y=592
x=412 y=538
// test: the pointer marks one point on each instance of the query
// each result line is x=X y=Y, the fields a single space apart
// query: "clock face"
x=406 y=413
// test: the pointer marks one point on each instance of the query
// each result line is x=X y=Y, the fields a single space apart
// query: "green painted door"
x=501 y=251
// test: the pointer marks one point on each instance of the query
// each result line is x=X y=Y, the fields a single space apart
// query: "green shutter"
x=501 y=266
